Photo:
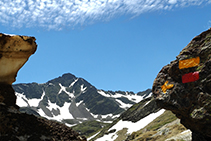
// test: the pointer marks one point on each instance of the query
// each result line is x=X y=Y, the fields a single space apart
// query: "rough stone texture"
x=16 y=126
x=191 y=102
x=14 y=52
x=7 y=95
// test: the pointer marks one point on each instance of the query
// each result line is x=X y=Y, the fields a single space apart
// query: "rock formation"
x=184 y=87
x=16 y=126
x=14 y=52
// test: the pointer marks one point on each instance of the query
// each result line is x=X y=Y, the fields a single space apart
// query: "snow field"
x=132 y=127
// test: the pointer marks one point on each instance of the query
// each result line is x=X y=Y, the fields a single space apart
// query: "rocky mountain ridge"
x=72 y=100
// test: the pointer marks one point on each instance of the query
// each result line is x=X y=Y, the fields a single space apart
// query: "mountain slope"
x=136 y=124
x=74 y=100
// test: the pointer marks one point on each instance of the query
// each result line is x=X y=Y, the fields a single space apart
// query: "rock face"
x=184 y=86
x=16 y=126
x=14 y=52
x=140 y=110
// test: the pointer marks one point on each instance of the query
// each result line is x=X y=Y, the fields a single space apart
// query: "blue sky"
x=113 y=44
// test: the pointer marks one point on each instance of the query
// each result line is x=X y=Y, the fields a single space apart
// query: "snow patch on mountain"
x=63 y=112
x=123 y=105
x=34 y=102
x=72 y=84
x=83 y=88
x=77 y=104
x=149 y=95
x=63 y=88
x=146 y=103
x=132 y=127
x=132 y=97
x=22 y=101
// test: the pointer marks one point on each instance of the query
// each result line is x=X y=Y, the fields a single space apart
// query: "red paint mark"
x=190 y=77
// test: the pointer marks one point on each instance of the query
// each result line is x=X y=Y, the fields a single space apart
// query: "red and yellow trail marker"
x=188 y=63
x=165 y=86
x=188 y=77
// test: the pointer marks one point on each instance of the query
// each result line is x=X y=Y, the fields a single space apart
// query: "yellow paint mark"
x=189 y=63
x=165 y=86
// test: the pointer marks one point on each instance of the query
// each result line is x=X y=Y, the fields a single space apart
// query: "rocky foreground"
x=16 y=126
x=184 y=87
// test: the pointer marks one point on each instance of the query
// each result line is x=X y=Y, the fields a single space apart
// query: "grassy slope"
x=89 y=128
x=163 y=127
x=158 y=130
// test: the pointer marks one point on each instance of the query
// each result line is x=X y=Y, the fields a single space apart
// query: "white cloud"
x=172 y=1
x=57 y=14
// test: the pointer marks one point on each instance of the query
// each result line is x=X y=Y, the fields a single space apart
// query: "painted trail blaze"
x=188 y=63
x=166 y=86
x=190 y=77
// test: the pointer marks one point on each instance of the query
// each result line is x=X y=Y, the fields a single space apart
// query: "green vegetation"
x=89 y=128
x=163 y=127
x=199 y=68
x=208 y=38
x=154 y=131
x=70 y=121
x=105 y=129
x=165 y=118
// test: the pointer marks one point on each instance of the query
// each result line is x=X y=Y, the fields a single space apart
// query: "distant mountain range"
x=97 y=114
x=73 y=100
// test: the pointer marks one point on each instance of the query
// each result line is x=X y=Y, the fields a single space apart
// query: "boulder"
x=14 y=52
x=184 y=86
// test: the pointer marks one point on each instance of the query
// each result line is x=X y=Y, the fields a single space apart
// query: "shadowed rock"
x=14 y=52
x=184 y=86
x=16 y=126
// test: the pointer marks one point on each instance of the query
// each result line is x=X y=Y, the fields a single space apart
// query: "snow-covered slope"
x=134 y=98
x=133 y=119
x=130 y=126
x=73 y=100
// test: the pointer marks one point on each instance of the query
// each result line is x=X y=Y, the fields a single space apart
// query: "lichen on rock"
x=190 y=95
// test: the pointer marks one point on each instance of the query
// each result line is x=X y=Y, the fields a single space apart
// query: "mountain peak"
x=68 y=75
x=70 y=98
